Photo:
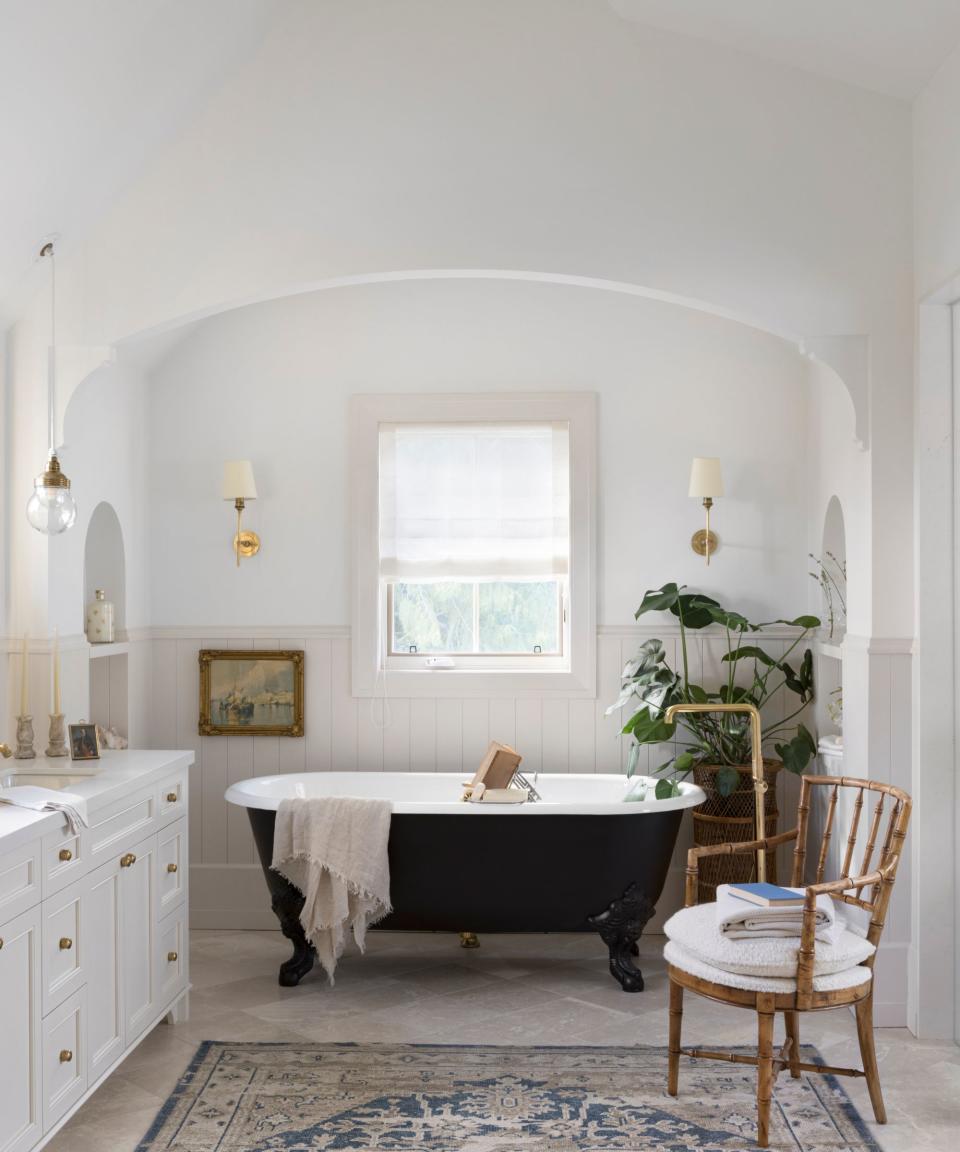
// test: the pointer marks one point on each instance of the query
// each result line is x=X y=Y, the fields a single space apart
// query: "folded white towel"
x=738 y=919
x=334 y=849
x=74 y=807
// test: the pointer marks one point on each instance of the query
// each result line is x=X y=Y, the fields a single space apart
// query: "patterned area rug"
x=426 y=1098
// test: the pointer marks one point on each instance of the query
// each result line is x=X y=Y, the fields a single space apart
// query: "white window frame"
x=576 y=677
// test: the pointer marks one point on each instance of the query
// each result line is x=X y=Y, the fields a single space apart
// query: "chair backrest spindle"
x=800 y=845
x=827 y=832
x=872 y=837
x=852 y=838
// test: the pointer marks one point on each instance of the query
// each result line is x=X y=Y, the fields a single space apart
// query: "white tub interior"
x=439 y=792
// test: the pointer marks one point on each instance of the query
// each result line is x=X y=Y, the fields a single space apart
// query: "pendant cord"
x=52 y=365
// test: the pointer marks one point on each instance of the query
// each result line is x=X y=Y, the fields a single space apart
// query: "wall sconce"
x=239 y=486
x=706 y=483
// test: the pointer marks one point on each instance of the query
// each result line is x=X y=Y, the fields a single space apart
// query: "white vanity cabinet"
x=94 y=940
x=21 y=1120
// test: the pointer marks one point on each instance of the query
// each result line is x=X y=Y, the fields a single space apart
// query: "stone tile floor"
x=423 y=988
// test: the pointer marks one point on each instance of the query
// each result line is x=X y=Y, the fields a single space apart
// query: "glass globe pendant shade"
x=51 y=509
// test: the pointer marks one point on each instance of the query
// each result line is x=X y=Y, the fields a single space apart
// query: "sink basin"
x=39 y=780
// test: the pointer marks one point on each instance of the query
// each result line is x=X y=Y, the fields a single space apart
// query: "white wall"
x=935 y=983
x=936 y=136
x=272 y=382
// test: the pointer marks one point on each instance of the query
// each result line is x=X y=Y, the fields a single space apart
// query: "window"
x=480 y=618
x=473 y=542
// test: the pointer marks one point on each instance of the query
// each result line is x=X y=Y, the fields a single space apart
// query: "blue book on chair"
x=766 y=895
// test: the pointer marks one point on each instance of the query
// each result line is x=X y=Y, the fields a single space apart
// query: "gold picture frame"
x=251 y=693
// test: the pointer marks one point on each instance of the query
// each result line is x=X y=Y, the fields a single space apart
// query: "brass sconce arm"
x=244 y=543
x=756 y=756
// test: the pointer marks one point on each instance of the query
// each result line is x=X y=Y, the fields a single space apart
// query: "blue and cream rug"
x=433 y=1098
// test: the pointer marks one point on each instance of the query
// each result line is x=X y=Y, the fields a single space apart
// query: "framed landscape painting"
x=251 y=693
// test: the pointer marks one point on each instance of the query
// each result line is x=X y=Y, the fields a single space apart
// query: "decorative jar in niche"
x=100 y=619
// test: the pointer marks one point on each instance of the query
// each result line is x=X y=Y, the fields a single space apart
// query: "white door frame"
x=934 y=985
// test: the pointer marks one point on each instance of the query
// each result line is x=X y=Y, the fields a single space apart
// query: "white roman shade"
x=474 y=500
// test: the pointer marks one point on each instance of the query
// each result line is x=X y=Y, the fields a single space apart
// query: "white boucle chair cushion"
x=680 y=958
x=695 y=930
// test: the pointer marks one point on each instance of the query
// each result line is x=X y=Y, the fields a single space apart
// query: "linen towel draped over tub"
x=334 y=850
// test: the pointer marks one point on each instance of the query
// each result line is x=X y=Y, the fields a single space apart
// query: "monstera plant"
x=721 y=740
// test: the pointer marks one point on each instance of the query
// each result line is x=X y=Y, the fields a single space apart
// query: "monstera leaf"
x=728 y=779
x=695 y=611
x=797 y=753
x=750 y=652
x=659 y=600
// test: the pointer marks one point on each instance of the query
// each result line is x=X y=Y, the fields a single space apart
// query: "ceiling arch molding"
x=846 y=355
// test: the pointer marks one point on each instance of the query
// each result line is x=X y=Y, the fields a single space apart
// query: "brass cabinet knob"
x=171 y=867
x=65 y=1055
x=65 y=854
x=172 y=957
x=127 y=860
x=65 y=943
x=172 y=797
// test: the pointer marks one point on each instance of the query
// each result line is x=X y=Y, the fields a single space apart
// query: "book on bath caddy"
x=766 y=895
x=493 y=781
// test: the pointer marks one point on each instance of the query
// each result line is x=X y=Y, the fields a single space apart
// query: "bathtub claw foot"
x=620 y=927
x=292 y=971
x=287 y=906
x=469 y=940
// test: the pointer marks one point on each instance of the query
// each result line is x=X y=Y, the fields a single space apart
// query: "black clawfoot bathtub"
x=581 y=859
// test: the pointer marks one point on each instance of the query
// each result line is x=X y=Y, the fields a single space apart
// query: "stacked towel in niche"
x=73 y=807
x=740 y=920
x=334 y=850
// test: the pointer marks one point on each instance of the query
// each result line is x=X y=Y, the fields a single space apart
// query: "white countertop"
x=103 y=781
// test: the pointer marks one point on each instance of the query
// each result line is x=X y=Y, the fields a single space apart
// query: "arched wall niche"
x=104 y=562
x=833 y=555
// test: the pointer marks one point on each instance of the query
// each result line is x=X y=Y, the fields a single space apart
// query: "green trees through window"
x=493 y=617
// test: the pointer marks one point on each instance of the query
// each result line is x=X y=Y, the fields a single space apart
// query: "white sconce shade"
x=238 y=481
x=705 y=479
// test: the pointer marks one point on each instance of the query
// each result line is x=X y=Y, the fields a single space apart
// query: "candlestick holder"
x=24 y=739
x=58 y=733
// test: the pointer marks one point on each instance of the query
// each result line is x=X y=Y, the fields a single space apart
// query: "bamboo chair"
x=869 y=890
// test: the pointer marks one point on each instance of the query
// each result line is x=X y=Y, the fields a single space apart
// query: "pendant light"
x=51 y=509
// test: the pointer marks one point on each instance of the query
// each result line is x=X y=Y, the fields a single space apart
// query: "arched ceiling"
x=90 y=91
x=891 y=46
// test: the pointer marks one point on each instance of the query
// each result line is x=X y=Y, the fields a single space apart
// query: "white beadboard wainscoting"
x=396 y=735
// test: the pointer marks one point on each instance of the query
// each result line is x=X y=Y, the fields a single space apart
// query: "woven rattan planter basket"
x=730 y=819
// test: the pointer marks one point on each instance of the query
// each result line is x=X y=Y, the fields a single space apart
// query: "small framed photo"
x=84 y=744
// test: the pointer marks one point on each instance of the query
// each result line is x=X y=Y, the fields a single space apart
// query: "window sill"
x=460 y=683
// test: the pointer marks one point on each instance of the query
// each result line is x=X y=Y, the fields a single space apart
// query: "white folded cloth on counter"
x=334 y=849
x=740 y=920
x=74 y=807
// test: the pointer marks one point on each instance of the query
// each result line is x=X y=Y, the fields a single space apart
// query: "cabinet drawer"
x=63 y=945
x=63 y=859
x=171 y=966
x=171 y=865
x=172 y=798
x=64 y=1078
x=118 y=826
x=19 y=880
